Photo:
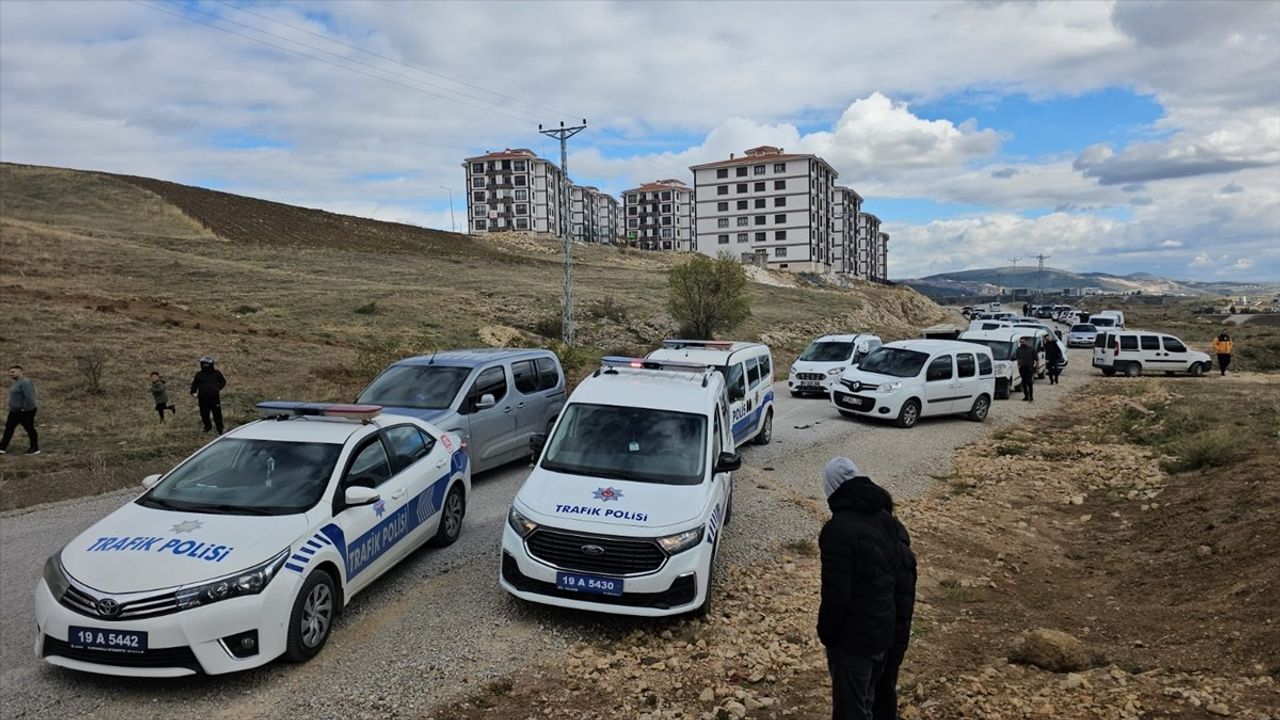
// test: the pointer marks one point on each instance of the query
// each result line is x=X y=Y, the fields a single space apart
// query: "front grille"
x=86 y=604
x=683 y=590
x=621 y=556
x=810 y=376
x=155 y=658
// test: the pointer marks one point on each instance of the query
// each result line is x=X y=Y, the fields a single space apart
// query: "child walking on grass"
x=160 y=395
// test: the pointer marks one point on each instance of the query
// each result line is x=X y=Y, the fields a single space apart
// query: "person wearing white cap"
x=206 y=388
x=860 y=562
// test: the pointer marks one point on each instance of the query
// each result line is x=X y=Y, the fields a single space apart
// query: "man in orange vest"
x=1223 y=346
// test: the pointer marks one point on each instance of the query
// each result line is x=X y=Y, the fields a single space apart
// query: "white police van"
x=249 y=549
x=822 y=362
x=624 y=508
x=748 y=372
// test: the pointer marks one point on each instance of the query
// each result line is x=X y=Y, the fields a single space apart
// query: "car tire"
x=1003 y=387
x=311 y=620
x=728 y=505
x=1133 y=369
x=1196 y=369
x=981 y=407
x=909 y=415
x=766 y=430
x=451 y=515
x=704 y=609
x=1109 y=372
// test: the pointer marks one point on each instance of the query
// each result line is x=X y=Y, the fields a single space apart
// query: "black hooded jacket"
x=904 y=589
x=208 y=383
x=860 y=562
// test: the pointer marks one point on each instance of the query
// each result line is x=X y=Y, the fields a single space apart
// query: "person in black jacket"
x=1053 y=360
x=904 y=605
x=860 y=560
x=206 y=388
x=1026 y=357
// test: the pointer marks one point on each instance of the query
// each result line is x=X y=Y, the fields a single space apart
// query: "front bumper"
x=186 y=642
x=678 y=586
x=868 y=403
x=817 y=386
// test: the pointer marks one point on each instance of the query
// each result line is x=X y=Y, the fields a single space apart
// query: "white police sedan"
x=249 y=548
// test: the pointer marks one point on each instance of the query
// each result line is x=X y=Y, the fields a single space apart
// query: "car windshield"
x=1000 y=349
x=1083 y=328
x=1103 y=322
x=629 y=443
x=828 y=351
x=237 y=476
x=422 y=387
x=894 y=362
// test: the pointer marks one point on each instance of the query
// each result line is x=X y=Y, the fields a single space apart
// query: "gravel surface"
x=438 y=625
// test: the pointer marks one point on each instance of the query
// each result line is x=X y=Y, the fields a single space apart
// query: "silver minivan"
x=496 y=399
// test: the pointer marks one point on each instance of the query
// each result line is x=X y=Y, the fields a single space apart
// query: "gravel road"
x=438 y=625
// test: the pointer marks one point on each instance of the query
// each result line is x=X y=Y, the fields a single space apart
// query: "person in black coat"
x=860 y=561
x=1026 y=357
x=904 y=605
x=206 y=388
x=1053 y=360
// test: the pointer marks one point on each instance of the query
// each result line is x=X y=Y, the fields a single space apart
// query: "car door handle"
x=398 y=494
x=520 y=406
x=506 y=409
x=442 y=463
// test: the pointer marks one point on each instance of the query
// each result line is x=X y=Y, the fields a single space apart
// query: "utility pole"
x=452 y=223
x=1040 y=272
x=563 y=134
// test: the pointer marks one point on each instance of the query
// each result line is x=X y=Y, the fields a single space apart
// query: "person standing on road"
x=1223 y=347
x=904 y=605
x=22 y=411
x=1053 y=359
x=860 y=561
x=1026 y=357
x=206 y=388
x=161 y=395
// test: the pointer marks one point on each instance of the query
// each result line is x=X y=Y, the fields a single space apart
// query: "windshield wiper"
x=162 y=503
x=228 y=509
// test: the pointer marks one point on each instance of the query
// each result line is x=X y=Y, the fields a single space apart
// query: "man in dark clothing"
x=22 y=411
x=206 y=388
x=860 y=560
x=1053 y=361
x=1026 y=357
x=904 y=604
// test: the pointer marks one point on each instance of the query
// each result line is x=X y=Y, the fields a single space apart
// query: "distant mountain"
x=991 y=281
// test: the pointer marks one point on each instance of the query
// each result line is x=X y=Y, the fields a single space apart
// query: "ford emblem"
x=592 y=550
x=108 y=607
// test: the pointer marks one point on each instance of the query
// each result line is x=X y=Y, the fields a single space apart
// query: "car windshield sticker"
x=607 y=494
x=379 y=507
x=187 y=526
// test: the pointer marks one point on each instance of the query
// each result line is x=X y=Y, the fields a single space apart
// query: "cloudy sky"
x=1143 y=136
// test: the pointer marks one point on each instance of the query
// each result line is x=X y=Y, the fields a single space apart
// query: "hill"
x=990 y=281
x=108 y=277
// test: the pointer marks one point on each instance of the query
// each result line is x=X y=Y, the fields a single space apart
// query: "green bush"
x=1203 y=450
x=706 y=296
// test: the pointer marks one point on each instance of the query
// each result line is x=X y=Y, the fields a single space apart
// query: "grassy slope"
x=152 y=275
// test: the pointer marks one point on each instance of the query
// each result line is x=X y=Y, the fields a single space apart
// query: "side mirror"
x=486 y=401
x=736 y=393
x=150 y=481
x=728 y=462
x=537 y=441
x=357 y=495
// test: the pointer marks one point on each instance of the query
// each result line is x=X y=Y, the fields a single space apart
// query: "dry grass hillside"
x=129 y=274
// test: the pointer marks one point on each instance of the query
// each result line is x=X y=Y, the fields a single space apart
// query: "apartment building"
x=594 y=215
x=514 y=190
x=867 y=233
x=880 y=258
x=767 y=202
x=659 y=216
x=846 y=205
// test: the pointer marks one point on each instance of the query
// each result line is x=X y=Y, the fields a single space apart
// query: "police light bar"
x=282 y=409
x=717 y=344
x=615 y=361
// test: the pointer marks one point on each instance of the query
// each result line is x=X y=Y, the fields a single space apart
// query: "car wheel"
x=728 y=505
x=1002 y=389
x=312 y=617
x=766 y=431
x=980 y=408
x=1133 y=369
x=909 y=415
x=451 y=515
x=1196 y=369
x=704 y=609
x=1108 y=371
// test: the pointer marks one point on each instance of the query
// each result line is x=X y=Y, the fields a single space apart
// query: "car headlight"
x=835 y=371
x=55 y=577
x=521 y=524
x=792 y=371
x=680 y=542
x=249 y=581
x=888 y=387
x=1002 y=367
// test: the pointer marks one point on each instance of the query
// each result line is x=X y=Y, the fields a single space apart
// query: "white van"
x=909 y=379
x=1116 y=315
x=1002 y=344
x=748 y=374
x=1130 y=352
x=624 y=508
x=822 y=362
x=1105 y=322
x=990 y=324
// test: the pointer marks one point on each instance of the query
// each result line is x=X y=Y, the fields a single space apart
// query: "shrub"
x=550 y=326
x=370 y=309
x=707 y=295
x=608 y=308
x=1203 y=450
x=92 y=365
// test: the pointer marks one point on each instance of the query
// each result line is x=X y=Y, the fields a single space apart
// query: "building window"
x=780 y=167
x=477 y=182
x=780 y=235
x=666 y=195
x=633 y=222
x=742 y=204
x=782 y=202
x=482 y=224
x=760 y=219
x=744 y=221
x=520 y=180
x=760 y=237
x=632 y=199
x=632 y=210
x=478 y=196
x=722 y=173
x=666 y=219
x=742 y=187
x=666 y=207
x=757 y=170
x=477 y=167
x=780 y=252
x=742 y=171
x=518 y=166
x=666 y=232
x=722 y=239
x=742 y=237
x=722 y=189
x=779 y=184
x=722 y=222
x=760 y=202
x=522 y=194
x=522 y=209
x=759 y=187
x=722 y=206
x=780 y=219
x=480 y=210
x=522 y=223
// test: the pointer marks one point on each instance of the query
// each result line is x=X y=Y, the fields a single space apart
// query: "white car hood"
x=869 y=378
x=136 y=549
x=813 y=366
x=573 y=501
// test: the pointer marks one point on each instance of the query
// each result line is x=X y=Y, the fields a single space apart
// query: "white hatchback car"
x=909 y=379
x=249 y=549
x=822 y=362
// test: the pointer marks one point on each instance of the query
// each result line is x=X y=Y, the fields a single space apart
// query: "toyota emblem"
x=592 y=550
x=108 y=607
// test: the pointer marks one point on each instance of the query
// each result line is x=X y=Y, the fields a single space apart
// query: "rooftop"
x=761 y=154
x=474 y=356
x=658 y=389
x=656 y=185
x=508 y=154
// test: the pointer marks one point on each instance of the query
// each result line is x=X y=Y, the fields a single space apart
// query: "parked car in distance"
x=1116 y=315
x=495 y=399
x=1082 y=335
x=909 y=379
x=826 y=357
x=1001 y=342
x=1132 y=352
x=1104 y=322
